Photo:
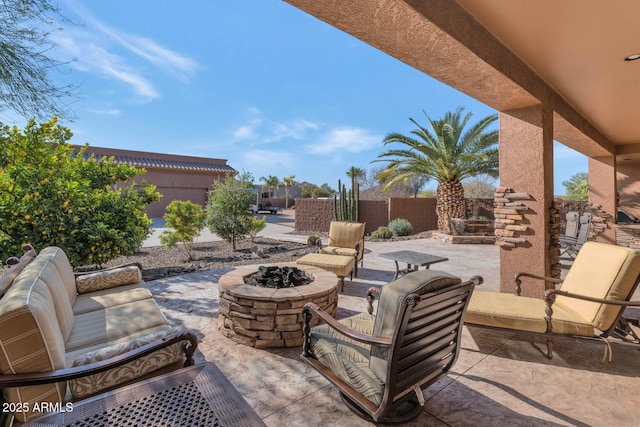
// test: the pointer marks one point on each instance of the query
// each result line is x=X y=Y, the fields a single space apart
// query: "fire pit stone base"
x=268 y=317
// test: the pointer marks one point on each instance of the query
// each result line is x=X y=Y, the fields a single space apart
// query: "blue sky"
x=259 y=83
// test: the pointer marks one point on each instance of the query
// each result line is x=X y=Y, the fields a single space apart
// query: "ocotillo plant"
x=347 y=209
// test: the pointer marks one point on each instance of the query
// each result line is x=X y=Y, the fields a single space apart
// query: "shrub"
x=382 y=233
x=228 y=213
x=256 y=226
x=400 y=227
x=49 y=195
x=186 y=220
x=313 y=240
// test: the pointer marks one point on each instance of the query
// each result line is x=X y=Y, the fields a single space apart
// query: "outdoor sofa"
x=65 y=336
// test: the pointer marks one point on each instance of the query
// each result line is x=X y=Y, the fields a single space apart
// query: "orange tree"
x=51 y=195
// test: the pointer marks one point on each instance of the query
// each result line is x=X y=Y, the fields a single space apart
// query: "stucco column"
x=526 y=166
x=602 y=191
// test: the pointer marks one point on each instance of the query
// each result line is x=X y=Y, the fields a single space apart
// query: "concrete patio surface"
x=500 y=379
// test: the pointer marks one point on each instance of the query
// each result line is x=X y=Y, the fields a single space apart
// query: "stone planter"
x=267 y=317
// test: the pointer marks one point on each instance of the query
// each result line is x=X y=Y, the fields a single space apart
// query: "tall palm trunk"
x=449 y=202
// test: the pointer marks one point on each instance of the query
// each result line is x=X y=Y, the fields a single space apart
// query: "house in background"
x=176 y=177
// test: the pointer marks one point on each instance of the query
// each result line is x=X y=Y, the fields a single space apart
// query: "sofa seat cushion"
x=92 y=384
x=110 y=297
x=347 y=358
x=510 y=311
x=72 y=355
x=336 y=250
x=101 y=326
x=339 y=265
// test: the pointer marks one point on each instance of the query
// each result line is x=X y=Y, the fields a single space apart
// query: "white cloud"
x=351 y=139
x=244 y=132
x=267 y=162
x=265 y=131
x=94 y=48
x=296 y=130
x=108 y=112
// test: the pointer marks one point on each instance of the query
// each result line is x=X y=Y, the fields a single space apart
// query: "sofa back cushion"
x=30 y=340
x=600 y=271
x=59 y=259
x=42 y=268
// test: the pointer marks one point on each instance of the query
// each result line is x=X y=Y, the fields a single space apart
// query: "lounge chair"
x=589 y=303
x=346 y=238
x=571 y=226
x=381 y=363
x=571 y=245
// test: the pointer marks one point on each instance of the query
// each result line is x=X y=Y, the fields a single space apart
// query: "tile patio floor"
x=500 y=378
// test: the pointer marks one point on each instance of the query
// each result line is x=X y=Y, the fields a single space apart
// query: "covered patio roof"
x=511 y=55
x=553 y=70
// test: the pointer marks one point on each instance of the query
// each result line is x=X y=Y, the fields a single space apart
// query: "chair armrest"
x=36 y=378
x=568 y=240
x=310 y=309
x=550 y=294
x=129 y=264
x=547 y=280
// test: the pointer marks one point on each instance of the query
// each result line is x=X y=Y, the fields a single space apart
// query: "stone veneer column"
x=526 y=166
x=602 y=190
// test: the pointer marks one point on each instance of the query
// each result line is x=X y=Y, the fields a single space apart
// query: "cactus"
x=348 y=208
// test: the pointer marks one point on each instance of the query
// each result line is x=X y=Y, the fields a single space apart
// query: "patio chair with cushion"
x=589 y=303
x=571 y=245
x=346 y=238
x=571 y=226
x=381 y=363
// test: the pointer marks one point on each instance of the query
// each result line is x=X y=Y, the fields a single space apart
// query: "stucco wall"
x=316 y=214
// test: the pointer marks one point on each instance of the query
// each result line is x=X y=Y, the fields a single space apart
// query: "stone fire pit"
x=269 y=317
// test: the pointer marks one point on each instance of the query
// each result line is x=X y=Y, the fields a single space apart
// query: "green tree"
x=288 y=181
x=25 y=60
x=447 y=152
x=228 y=208
x=51 y=196
x=577 y=187
x=256 y=226
x=271 y=182
x=185 y=220
x=479 y=187
x=313 y=191
x=355 y=173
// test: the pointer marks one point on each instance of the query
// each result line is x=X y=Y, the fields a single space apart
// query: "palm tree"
x=446 y=153
x=288 y=181
x=354 y=173
x=577 y=187
x=270 y=182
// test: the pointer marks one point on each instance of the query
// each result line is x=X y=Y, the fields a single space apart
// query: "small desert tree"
x=257 y=225
x=185 y=220
x=228 y=213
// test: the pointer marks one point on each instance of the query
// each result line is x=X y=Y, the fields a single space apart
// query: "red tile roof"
x=159 y=160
